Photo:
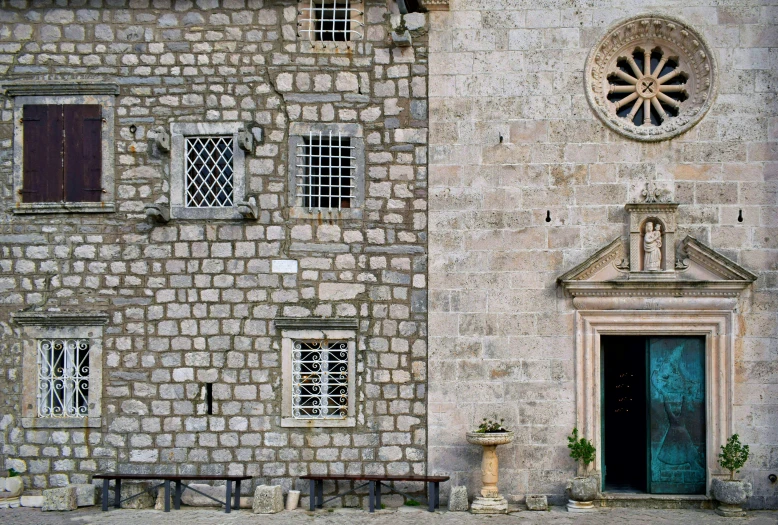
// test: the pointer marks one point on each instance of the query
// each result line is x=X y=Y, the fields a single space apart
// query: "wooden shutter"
x=83 y=153
x=42 y=175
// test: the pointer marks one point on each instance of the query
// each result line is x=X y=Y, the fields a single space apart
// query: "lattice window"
x=63 y=377
x=209 y=172
x=325 y=171
x=320 y=373
x=330 y=20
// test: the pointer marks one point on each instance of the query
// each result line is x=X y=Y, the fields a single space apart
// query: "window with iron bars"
x=325 y=171
x=320 y=373
x=63 y=378
x=209 y=171
x=330 y=20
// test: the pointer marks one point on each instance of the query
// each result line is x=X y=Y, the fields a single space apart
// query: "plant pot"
x=583 y=490
x=490 y=501
x=731 y=496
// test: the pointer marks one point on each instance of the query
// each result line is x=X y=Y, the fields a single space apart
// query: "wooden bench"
x=180 y=487
x=374 y=483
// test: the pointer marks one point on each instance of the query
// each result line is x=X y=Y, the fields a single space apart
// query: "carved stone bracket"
x=246 y=141
x=159 y=213
x=248 y=208
x=162 y=138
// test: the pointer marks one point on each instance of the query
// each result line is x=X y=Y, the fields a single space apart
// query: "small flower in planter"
x=491 y=427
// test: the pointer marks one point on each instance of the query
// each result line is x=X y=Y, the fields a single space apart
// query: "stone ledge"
x=314 y=323
x=62 y=207
x=20 y=88
x=59 y=318
x=65 y=422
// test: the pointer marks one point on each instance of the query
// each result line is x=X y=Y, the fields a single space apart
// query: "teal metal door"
x=677 y=415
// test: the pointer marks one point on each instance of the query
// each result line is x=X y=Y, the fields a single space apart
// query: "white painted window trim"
x=297 y=133
x=178 y=132
x=288 y=336
x=107 y=202
x=35 y=327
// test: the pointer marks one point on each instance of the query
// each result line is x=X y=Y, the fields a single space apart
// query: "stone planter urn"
x=10 y=491
x=583 y=490
x=490 y=501
x=731 y=496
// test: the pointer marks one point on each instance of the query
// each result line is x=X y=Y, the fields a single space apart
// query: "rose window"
x=651 y=78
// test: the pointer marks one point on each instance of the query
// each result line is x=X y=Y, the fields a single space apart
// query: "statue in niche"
x=652 y=246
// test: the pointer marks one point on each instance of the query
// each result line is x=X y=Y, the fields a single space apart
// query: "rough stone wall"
x=192 y=301
x=512 y=137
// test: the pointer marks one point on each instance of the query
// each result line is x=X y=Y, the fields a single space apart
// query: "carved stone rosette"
x=651 y=77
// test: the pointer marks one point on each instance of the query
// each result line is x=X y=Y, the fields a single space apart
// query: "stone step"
x=655 y=501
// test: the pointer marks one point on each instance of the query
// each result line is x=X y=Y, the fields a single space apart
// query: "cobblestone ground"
x=403 y=516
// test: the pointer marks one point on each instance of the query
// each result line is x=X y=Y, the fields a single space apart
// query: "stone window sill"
x=73 y=422
x=290 y=422
x=33 y=208
x=326 y=215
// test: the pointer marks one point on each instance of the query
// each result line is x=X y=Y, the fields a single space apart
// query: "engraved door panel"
x=677 y=415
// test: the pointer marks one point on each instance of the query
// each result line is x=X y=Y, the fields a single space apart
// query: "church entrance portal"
x=653 y=414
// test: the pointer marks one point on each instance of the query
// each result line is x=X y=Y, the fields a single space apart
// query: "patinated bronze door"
x=677 y=415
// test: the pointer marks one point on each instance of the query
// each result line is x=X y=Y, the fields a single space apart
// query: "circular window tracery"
x=651 y=78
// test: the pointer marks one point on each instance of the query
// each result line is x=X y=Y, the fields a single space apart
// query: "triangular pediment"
x=699 y=271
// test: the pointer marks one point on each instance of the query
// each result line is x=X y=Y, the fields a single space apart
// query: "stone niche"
x=695 y=291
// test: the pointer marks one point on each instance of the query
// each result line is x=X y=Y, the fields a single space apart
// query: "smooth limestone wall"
x=192 y=301
x=501 y=331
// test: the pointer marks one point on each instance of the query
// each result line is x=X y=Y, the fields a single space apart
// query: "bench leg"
x=437 y=495
x=312 y=495
x=117 y=494
x=167 y=495
x=228 y=501
x=320 y=494
x=378 y=495
x=177 y=499
x=236 y=503
x=105 y=494
x=371 y=496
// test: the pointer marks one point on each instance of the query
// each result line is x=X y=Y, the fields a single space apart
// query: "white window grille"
x=63 y=377
x=325 y=171
x=209 y=171
x=330 y=20
x=320 y=379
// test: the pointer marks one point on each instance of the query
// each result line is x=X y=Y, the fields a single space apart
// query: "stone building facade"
x=550 y=150
x=530 y=178
x=190 y=293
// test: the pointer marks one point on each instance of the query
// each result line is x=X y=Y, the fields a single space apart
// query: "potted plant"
x=489 y=435
x=583 y=489
x=11 y=488
x=732 y=493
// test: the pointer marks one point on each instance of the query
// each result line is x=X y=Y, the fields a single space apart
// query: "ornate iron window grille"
x=320 y=379
x=63 y=377
x=325 y=171
x=330 y=21
x=209 y=167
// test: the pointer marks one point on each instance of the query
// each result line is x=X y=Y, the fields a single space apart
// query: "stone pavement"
x=402 y=516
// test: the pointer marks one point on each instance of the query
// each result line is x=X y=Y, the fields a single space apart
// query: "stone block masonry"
x=191 y=303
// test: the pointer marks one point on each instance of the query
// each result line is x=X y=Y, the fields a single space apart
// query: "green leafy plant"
x=733 y=456
x=12 y=473
x=412 y=503
x=581 y=449
x=488 y=426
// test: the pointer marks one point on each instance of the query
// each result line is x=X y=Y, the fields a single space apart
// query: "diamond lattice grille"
x=325 y=167
x=63 y=377
x=320 y=379
x=330 y=21
x=209 y=181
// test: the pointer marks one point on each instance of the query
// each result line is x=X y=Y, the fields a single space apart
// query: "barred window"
x=330 y=20
x=209 y=170
x=63 y=377
x=320 y=379
x=325 y=164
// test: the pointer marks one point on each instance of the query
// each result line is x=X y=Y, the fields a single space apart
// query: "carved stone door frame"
x=715 y=326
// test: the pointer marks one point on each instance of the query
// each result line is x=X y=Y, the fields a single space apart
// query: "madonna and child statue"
x=652 y=248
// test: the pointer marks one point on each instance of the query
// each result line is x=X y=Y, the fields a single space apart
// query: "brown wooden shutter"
x=42 y=174
x=83 y=153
